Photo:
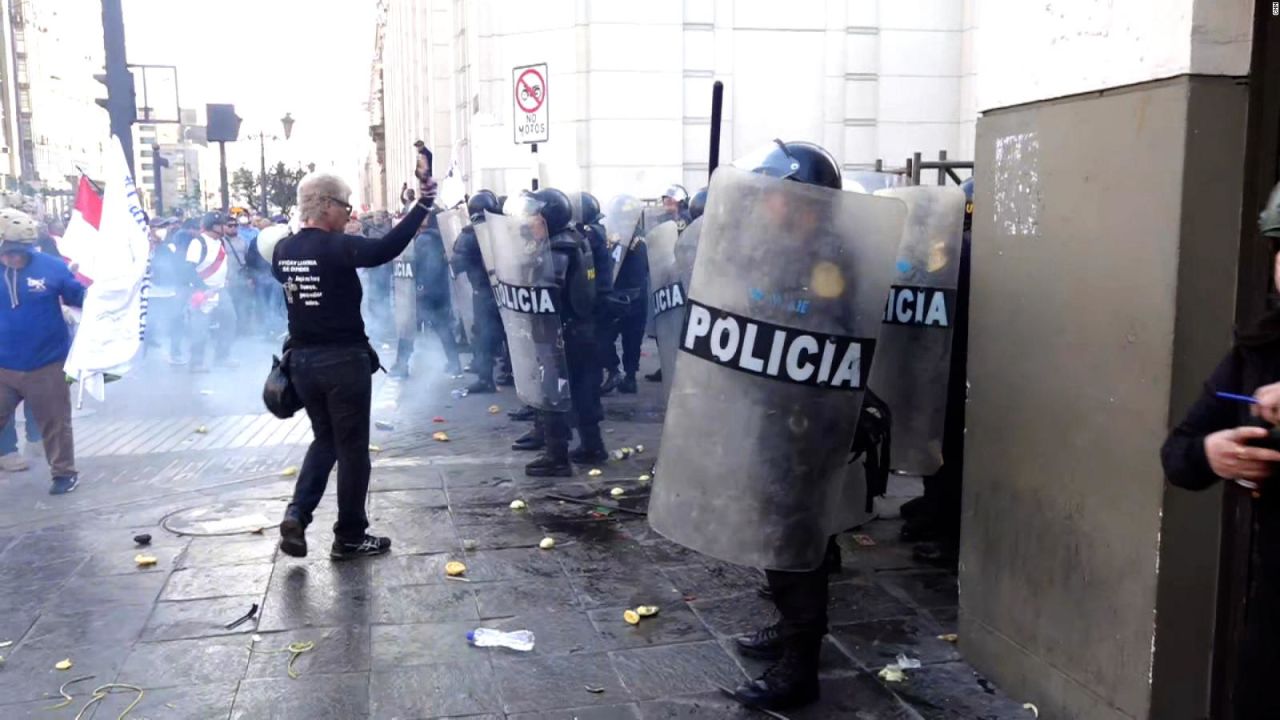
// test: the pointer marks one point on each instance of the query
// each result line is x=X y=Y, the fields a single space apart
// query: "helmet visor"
x=522 y=205
x=770 y=159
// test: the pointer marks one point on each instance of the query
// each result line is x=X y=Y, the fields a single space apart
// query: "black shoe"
x=503 y=380
x=915 y=507
x=791 y=682
x=610 y=382
x=765 y=591
x=655 y=376
x=63 y=485
x=546 y=466
x=628 y=384
x=765 y=643
x=940 y=554
x=923 y=528
x=481 y=387
x=293 y=537
x=529 y=441
x=524 y=414
x=586 y=455
x=833 y=563
x=368 y=547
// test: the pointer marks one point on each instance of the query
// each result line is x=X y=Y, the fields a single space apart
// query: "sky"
x=310 y=58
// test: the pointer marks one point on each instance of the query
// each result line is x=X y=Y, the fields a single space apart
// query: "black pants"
x=439 y=318
x=488 y=341
x=801 y=597
x=335 y=385
x=631 y=327
x=584 y=379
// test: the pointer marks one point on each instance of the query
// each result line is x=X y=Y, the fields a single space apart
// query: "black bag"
x=278 y=393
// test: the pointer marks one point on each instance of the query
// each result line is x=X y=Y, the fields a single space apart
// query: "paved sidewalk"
x=389 y=633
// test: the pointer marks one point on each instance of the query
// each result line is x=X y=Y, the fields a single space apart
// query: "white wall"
x=1088 y=45
x=630 y=84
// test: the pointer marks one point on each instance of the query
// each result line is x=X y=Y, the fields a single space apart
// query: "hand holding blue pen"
x=1237 y=398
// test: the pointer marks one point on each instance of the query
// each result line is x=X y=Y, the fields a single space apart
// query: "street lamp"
x=286 y=123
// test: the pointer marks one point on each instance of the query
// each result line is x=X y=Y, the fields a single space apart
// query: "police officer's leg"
x=584 y=389
x=554 y=461
x=483 y=346
x=795 y=641
x=632 y=338
x=441 y=318
x=535 y=438
x=607 y=331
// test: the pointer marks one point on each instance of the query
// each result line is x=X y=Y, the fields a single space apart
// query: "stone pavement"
x=389 y=633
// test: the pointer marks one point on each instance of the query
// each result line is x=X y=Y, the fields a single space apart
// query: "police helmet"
x=502 y=205
x=481 y=202
x=677 y=193
x=800 y=161
x=698 y=204
x=590 y=208
x=555 y=209
x=1269 y=220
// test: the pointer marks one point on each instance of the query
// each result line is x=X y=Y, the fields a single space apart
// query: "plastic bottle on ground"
x=521 y=640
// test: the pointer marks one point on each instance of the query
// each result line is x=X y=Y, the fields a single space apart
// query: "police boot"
x=524 y=414
x=765 y=643
x=610 y=382
x=628 y=384
x=791 y=682
x=591 y=451
x=655 y=376
x=531 y=440
x=503 y=379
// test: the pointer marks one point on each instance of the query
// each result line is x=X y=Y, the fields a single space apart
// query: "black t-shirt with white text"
x=322 y=291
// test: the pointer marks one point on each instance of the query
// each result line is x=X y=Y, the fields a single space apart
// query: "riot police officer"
x=786 y=301
x=545 y=289
x=675 y=201
x=686 y=248
x=469 y=261
x=628 y=312
x=697 y=204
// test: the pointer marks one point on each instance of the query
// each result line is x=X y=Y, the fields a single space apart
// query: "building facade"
x=629 y=85
x=180 y=180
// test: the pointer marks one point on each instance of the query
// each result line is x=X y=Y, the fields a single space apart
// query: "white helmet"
x=18 y=227
x=269 y=237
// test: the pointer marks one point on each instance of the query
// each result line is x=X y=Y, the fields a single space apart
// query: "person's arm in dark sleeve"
x=1183 y=456
x=366 y=252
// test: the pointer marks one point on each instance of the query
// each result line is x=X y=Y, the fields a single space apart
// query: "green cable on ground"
x=102 y=691
x=295 y=651
x=68 y=699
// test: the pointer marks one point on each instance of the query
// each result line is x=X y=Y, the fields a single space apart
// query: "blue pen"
x=1237 y=398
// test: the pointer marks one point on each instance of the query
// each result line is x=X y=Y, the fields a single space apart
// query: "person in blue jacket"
x=34 y=340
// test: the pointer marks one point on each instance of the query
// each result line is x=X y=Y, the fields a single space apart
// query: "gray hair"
x=315 y=189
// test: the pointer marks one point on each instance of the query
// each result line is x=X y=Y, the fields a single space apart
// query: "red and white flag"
x=118 y=259
x=80 y=241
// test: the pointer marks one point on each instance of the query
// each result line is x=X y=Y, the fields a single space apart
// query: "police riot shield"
x=913 y=360
x=780 y=331
x=485 y=241
x=667 y=295
x=686 y=250
x=621 y=224
x=404 y=294
x=451 y=224
x=528 y=299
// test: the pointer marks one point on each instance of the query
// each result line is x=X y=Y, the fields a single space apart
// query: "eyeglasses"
x=339 y=203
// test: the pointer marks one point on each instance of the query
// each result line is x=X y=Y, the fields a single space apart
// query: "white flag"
x=115 y=306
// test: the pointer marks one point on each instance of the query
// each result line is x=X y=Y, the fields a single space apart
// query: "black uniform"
x=574 y=274
x=595 y=236
x=331 y=362
x=435 y=305
x=487 y=345
x=628 y=312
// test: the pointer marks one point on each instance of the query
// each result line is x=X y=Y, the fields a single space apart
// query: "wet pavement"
x=388 y=635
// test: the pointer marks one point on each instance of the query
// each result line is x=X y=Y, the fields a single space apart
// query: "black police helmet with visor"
x=550 y=204
x=590 y=208
x=482 y=202
x=800 y=161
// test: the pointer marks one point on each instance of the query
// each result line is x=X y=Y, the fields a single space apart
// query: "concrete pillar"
x=1109 y=178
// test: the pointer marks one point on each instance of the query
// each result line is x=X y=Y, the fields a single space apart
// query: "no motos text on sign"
x=529 y=92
